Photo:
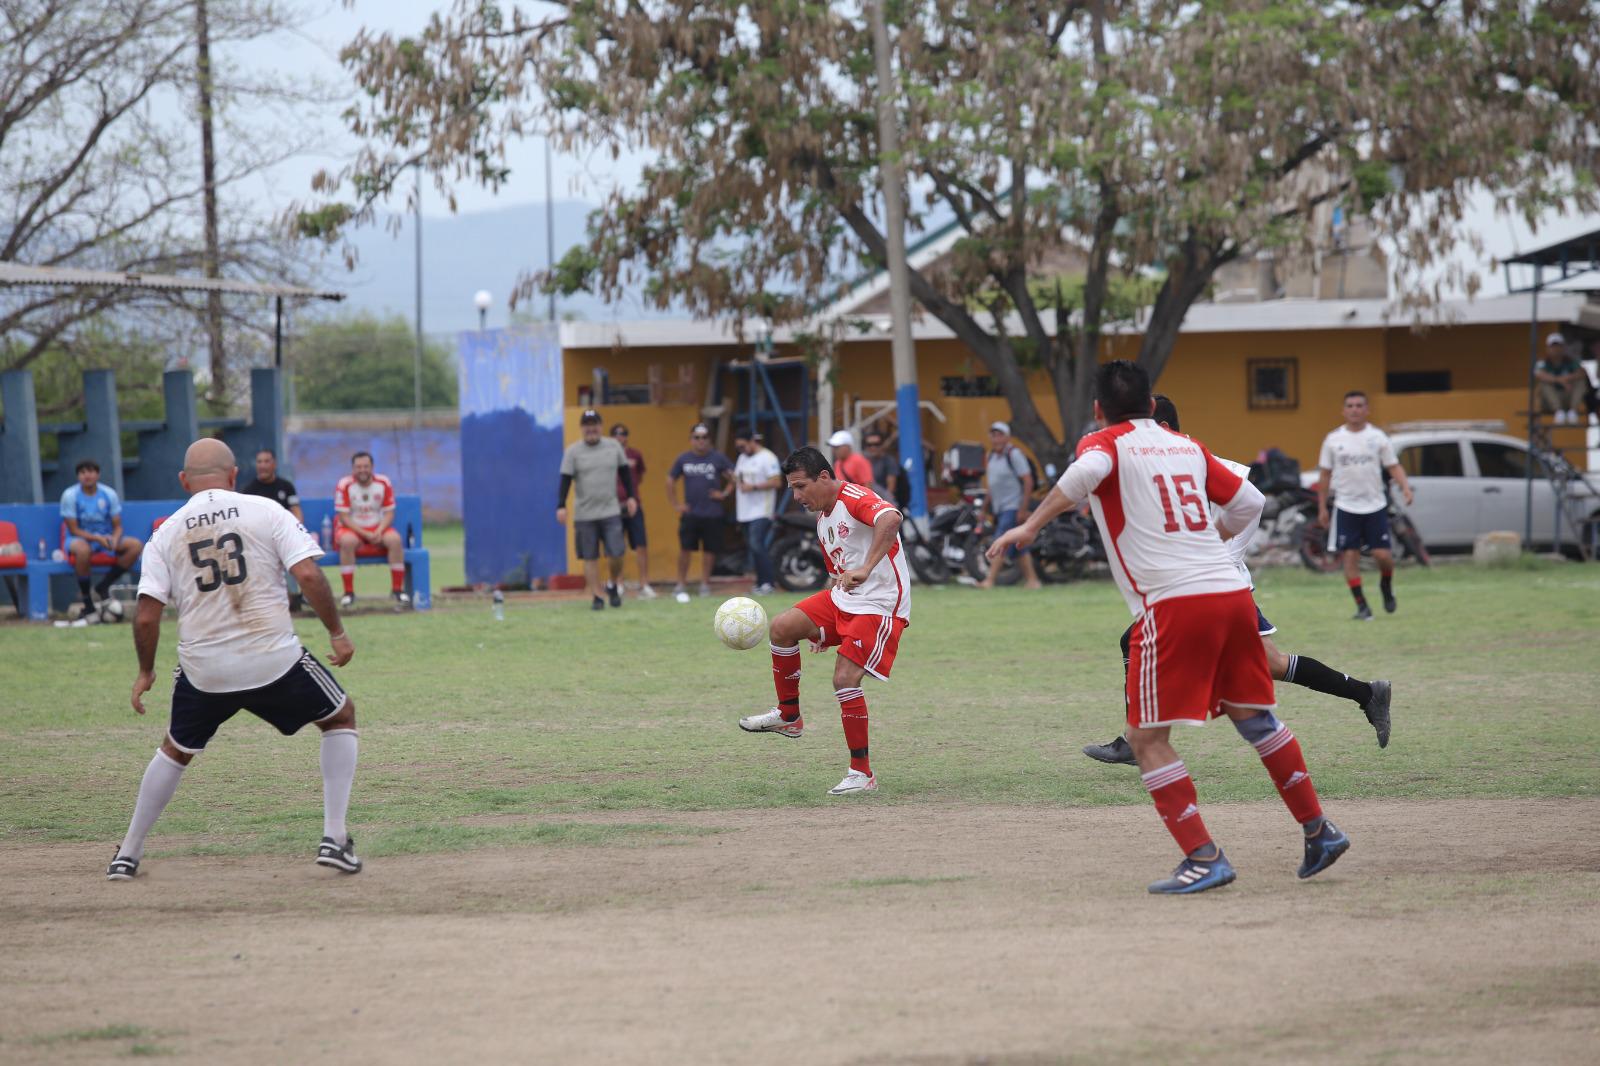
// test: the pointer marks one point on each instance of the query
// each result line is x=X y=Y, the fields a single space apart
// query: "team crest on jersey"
x=844 y=531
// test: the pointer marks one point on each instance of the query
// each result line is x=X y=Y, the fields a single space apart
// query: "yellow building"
x=1245 y=376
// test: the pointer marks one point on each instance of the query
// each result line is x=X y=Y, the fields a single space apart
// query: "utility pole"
x=908 y=402
x=416 y=364
x=208 y=178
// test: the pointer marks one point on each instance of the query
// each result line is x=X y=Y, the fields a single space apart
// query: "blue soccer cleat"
x=1196 y=875
x=1323 y=849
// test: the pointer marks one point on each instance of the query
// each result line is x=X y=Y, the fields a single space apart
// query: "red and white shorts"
x=868 y=640
x=1192 y=654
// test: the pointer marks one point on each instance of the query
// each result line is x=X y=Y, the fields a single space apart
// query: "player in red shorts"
x=364 y=504
x=1196 y=653
x=862 y=614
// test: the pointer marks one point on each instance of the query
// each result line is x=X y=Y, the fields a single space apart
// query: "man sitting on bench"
x=364 y=502
x=93 y=516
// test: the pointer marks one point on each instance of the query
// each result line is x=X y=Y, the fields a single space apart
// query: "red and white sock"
x=397 y=578
x=1280 y=753
x=1176 y=801
x=786 y=680
x=853 y=713
x=347 y=574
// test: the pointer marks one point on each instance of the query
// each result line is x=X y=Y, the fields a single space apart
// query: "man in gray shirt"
x=595 y=465
x=1010 y=480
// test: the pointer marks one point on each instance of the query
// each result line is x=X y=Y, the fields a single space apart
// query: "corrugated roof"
x=20 y=274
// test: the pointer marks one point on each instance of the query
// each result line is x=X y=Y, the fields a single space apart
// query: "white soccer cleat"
x=854 y=781
x=772 y=722
x=680 y=594
x=646 y=592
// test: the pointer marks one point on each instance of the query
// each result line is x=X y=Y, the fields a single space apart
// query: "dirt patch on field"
x=1467 y=931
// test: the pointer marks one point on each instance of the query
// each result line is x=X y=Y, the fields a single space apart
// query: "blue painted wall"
x=425 y=461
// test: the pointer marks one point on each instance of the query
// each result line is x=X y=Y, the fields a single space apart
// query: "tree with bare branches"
x=1163 y=137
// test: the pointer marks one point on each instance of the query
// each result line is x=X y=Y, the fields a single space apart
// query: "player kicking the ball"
x=1196 y=652
x=862 y=614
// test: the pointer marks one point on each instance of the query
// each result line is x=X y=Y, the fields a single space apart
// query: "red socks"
x=1173 y=791
x=397 y=578
x=853 y=713
x=347 y=574
x=786 y=680
x=1280 y=753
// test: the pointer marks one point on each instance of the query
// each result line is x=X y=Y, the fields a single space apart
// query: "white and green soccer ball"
x=741 y=623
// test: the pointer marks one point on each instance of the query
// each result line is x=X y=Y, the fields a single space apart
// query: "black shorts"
x=696 y=531
x=591 y=531
x=1264 y=627
x=1357 y=532
x=634 y=528
x=306 y=693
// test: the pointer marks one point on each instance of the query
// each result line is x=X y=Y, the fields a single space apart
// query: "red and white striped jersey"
x=363 y=505
x=1149 y=488
x=845 y=531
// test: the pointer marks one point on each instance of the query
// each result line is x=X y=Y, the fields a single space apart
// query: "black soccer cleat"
x=122 y=868
x=598 y=604
x=1389 y=603
x=614 y=595
x=341 y=857
x=1363 y=614
x=1116 y=751
x=1323 y=849
x=1377 y=710
x=401 y=599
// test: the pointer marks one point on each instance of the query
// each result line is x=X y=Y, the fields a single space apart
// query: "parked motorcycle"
x=797 y=559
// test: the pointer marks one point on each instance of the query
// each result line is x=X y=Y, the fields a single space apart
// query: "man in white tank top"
x=219 y=562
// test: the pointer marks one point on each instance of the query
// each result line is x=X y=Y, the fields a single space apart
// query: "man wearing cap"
x=1562 y=381
x=707 y=479
x=594 y=465
x=1010 y=479
x=848 y=463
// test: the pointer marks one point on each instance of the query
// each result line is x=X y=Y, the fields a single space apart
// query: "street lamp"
x=481 y=300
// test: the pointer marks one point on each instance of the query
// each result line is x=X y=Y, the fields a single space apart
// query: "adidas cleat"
x=1116 y=751
x=1377 y=710
x=772 y=722
x=1323 y=849
x=122 y=868
x=1196 y=875
x=855 y=781
x=341 y=857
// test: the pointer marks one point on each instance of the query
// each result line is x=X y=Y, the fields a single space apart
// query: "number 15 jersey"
x=220 y=561
x=1150 y=490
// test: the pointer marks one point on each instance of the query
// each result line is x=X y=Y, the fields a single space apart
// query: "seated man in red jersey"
x=364 y=504
x=862 y=614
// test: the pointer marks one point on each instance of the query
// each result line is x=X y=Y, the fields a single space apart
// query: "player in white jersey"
x=1353 y=460
x=862 y=613
x=1372 y=697
x=219 y=561
x=364 y=504
x=1195 y=650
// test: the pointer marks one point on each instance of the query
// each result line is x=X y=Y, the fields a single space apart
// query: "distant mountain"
x=462 y=254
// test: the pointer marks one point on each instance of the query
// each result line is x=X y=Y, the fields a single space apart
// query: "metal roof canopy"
x=21 y=275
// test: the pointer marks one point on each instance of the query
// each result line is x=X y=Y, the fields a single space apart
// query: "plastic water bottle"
x=499 y=599
x=44 y=551
x=327 y=533
x=409 y=543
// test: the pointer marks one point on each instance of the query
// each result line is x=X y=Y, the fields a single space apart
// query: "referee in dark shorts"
x=219 y=562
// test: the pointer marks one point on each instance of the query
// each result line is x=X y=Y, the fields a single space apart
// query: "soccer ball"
x=111 y=611
x=741 y=623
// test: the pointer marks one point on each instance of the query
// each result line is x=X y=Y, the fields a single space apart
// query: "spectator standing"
x=633 y=523
x=885 y=470
x=363 y=503
x=594 y=465
x=1010 y=480
x=281 y=491
x=93 y=516
x=707 y=479
x=1353 y=460
x=758 y=473
x=849 y=464
x=1562 y=381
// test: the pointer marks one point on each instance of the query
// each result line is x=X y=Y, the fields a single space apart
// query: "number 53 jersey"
x=1151 y=491
x=220 y=561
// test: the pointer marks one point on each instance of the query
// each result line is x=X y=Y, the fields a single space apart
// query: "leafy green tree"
x=363 y=362
x=1181 y=134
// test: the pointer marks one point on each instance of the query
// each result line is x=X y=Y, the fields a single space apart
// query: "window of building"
x=1432 y=460
x=1274 y=384
x=961 y=387
x=1418 y=381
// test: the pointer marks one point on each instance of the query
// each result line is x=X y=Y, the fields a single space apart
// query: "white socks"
x=155 y=792
x=338 y=774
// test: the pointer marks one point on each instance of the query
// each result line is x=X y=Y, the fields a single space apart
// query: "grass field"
x=605 y=745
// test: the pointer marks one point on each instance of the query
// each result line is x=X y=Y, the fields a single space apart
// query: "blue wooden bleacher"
x=36 y=522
